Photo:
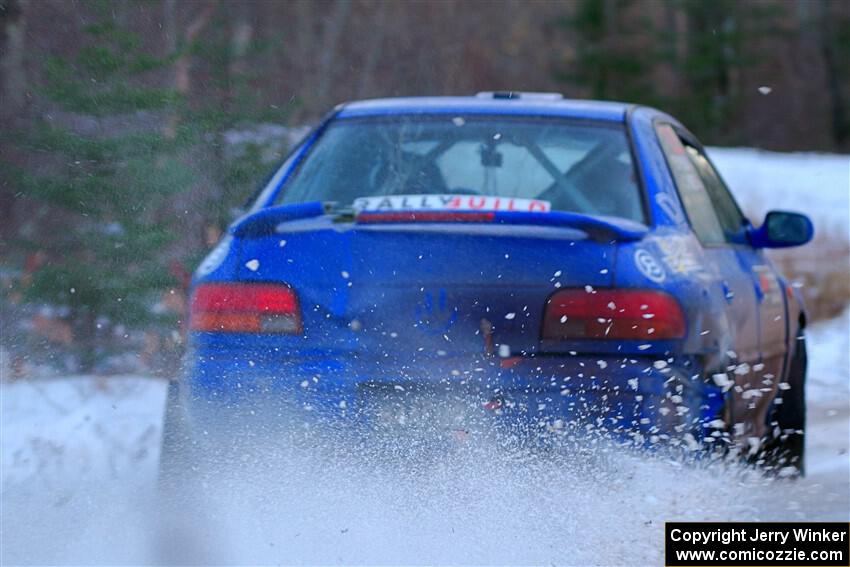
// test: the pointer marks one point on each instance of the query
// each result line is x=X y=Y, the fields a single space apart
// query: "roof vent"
x=510 y=95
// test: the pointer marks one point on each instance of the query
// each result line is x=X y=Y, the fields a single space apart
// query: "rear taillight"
x=245 y=308
x=613 y=314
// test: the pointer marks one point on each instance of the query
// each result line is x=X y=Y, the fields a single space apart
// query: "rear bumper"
x=633 y=396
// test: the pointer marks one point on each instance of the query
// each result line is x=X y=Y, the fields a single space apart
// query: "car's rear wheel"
x=174 y=460
x=788 y=446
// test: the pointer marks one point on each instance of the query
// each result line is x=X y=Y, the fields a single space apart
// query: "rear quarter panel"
x=671 y=258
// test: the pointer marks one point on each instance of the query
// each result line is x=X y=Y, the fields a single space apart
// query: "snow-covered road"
x=79 y=458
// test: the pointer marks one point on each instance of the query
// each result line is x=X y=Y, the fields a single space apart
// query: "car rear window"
x=573 y=166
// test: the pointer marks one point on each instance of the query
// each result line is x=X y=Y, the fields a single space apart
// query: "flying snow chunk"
x=749 y=394
x=765 y=90
x=722 y=380
x=742 y=369
x=253 y=265
x=754 y=443
x=510 y=316
x=692 y=443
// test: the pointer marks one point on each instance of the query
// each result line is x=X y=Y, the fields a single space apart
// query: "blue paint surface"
x=428 y=304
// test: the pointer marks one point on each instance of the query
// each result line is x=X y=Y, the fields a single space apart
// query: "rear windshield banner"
x=450 y=203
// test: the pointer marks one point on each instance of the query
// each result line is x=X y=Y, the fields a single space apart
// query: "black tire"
x=183 y=516
x=175 y=440
x=789 y=446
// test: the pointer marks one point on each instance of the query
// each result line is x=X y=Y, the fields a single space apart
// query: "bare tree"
x=330 y=40
x=183 y=64
x=13 y=56
x=840 y=128
x=13 y=14
x=378 y=30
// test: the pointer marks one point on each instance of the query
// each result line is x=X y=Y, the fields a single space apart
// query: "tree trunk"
x=183 y=65
x=87 y=337
x=378 y=29
x=330 y=39
x=169 y=25
x=240 y=39
x=13 y=101
x=13 y=57
x=840 y=127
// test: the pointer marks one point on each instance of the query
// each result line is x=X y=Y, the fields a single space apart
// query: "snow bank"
x=828 y=344
x=80 y=428
x=815 y=184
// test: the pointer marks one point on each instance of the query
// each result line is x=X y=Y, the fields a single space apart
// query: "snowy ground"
x=78 y=460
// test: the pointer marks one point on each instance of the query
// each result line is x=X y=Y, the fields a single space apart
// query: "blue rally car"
x=514 y=258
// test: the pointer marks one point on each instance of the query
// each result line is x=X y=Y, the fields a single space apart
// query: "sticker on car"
x=649 y=266
x=450 y=203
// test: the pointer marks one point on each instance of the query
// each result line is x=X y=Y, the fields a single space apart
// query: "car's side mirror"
x=782 y=229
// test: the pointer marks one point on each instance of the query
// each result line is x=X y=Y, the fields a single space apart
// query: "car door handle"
x=727 y=292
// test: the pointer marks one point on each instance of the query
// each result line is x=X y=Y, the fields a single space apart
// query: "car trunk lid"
x=406 y=286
